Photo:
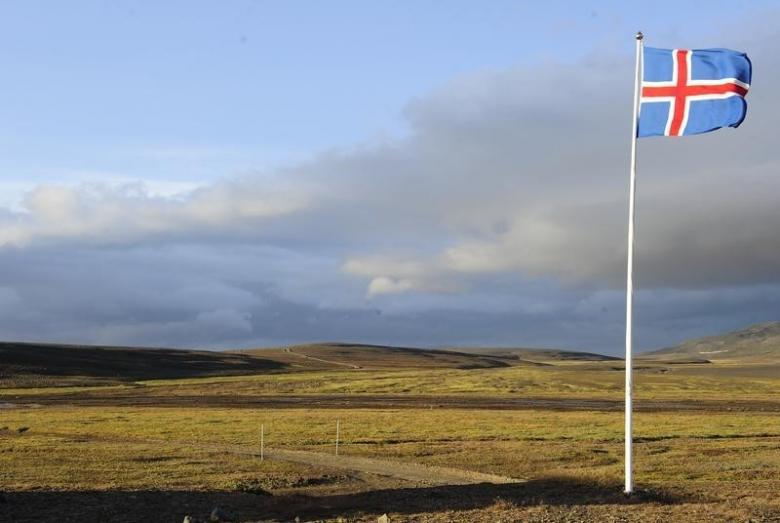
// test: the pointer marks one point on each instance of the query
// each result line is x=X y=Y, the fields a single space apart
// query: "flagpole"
x=629 y=488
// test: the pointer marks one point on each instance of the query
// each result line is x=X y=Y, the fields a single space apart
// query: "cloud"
x=536 y=181
x=499 y=217
x=113 y=214
x=189 y=296
x=496 y=174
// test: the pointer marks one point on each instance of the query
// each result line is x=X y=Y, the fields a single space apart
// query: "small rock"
x=383 y=519
x=188 y=519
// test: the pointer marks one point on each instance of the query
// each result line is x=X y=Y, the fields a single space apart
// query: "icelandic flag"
x=692 y=91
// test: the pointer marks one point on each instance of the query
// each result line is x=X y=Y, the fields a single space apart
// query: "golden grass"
x=565 y=379
x=729 y=461
x=185 y=447
x=601 y=380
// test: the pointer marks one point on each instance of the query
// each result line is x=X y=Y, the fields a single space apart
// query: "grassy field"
x=711 y=461
x=128 y=448
x=599 y=380
x=580 y=380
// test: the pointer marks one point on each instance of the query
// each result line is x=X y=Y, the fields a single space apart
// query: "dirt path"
x=141 y=397
x=414 y=472
x=329 y=362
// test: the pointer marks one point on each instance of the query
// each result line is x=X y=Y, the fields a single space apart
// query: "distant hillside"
x=759 y=343
x=362 y=356
x=538 y=355
x=34 y=363
x=38 y=364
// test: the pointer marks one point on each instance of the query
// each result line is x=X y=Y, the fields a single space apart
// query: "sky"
x=428 y=173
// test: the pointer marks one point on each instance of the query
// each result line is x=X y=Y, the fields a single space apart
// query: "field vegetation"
x=595 y=380
x=711 y=459
x=149 y=443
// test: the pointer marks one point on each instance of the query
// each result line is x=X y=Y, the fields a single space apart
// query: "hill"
x=538 y=355
x=362 y=356
x=42 y=364
x=26 y=364
x=758 y=343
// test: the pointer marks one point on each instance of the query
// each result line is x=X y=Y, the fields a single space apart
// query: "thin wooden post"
x=338 y=428
x=262 y=442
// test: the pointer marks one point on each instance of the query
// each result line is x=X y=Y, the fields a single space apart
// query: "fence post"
x=262 y=442
x=338 y=427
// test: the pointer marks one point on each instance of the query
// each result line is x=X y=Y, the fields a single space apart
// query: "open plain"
x=423 y=436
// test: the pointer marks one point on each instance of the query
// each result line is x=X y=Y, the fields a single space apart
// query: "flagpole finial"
x=639 y=35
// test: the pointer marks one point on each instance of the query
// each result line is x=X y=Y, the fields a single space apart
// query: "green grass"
x=565 y=380
x=584 y=380
x=728 y=459
x=185 y=447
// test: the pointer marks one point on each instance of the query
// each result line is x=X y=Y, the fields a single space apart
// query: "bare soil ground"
x=541 y=501
x=411 y=472
x=372 y=401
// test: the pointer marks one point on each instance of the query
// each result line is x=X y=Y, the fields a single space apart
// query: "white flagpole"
x=630 y=270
